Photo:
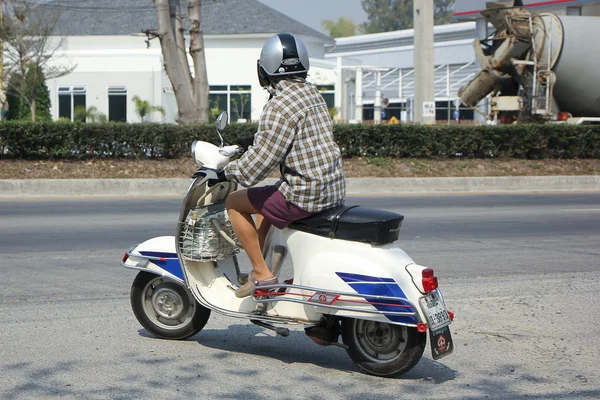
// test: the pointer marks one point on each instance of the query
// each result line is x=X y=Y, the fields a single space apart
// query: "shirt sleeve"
x=274 y=137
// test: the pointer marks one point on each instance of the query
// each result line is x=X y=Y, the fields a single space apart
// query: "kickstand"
x=280 y=331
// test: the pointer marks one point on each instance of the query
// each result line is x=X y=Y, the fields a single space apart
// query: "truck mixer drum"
x=546 y=55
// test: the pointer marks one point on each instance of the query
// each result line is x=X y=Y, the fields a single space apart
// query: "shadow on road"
x=298 y=348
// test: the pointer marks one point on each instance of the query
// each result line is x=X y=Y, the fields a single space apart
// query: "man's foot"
x=246 y=289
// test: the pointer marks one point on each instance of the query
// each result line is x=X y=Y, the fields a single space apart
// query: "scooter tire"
x=165 y=308
x=382 y=349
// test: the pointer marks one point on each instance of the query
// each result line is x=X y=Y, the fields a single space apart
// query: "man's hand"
x=211 y=175
x=245 y=142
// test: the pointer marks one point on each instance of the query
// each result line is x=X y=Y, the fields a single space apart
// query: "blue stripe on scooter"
x=170 y=263
x=347 y=277
x=375 y=286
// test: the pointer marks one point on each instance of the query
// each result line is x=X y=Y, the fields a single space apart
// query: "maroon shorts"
x=271 y=204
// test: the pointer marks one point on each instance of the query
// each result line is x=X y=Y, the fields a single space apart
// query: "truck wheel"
x=382 y=349
x=165 y=308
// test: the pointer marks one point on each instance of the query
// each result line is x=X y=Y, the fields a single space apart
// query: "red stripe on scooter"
x=373 y=303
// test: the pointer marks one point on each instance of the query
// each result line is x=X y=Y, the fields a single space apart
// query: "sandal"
x=246 y=289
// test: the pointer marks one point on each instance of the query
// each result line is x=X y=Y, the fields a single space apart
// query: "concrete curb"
x=59 y=188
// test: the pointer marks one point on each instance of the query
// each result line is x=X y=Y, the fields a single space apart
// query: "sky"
x=312 y=12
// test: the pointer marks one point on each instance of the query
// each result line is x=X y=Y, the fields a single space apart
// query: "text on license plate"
x=435 y=311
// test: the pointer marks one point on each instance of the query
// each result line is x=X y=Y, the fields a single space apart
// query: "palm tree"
x=144 y=108
x=89 y=115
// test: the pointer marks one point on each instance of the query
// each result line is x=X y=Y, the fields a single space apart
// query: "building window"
x=574 y=10
x=328 y=93
x=71 y=103
x=235 y=99
x=117 y=103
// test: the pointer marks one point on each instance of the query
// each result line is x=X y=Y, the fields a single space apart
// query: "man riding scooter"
x=295 y=133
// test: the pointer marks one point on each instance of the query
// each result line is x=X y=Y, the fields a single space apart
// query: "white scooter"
x=349 y=277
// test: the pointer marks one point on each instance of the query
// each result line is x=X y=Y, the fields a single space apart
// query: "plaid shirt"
x=295 y=133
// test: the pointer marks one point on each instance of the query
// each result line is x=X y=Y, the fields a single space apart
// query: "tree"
x=143 y=107
x=343 y=27
x=191 y=92
x=387 y=15
x=90 y=115
x=238 y=103
x=28 y=48
x=444 y=11
x=19 y=108
x=394 y=15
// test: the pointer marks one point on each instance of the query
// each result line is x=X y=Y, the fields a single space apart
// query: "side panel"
x=352 y=267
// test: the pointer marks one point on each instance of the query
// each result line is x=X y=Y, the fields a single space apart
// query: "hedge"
x=60 y=140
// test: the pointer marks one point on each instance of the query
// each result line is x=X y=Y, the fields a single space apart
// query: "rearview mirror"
x=222 y=121
x=221 y=124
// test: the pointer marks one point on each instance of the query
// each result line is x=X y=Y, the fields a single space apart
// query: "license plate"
x=435 y=311
x=441 y=342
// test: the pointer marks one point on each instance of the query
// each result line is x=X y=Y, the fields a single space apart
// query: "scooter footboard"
x=157 y=256
x=388 y=309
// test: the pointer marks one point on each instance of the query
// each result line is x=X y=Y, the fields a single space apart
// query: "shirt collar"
x=280 y=86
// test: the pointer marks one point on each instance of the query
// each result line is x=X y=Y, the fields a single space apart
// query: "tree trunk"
x=33 y=107
x=180 y=38
x=176 y=71
x=197 y=51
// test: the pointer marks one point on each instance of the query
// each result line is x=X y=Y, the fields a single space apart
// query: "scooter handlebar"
x=230 y=151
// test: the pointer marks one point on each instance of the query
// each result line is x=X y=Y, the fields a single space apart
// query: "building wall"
x=103 y=61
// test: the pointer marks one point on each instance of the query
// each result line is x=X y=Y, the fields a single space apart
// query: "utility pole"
x=424 y=106
x=2 y=94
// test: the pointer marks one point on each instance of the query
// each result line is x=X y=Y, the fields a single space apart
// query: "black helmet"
x=283 y=54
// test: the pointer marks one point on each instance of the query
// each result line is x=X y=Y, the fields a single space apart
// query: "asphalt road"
x=520 y=271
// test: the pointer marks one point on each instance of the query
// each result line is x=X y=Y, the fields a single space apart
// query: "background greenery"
x=66 y=140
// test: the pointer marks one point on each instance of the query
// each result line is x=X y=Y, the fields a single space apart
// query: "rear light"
x=429 y=281
x=421 y=327
x=563 y=116
x=451 y=315
x=124 y=257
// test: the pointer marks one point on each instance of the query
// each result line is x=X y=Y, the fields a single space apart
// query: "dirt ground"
x=354 y=167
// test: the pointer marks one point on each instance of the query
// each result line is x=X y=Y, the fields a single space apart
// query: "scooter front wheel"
x=165 y=308
x=382 y=349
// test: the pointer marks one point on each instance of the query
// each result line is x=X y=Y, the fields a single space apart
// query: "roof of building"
x=125 y=17
x=405 y=37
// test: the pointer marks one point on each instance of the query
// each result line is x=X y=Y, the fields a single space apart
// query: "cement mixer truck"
x=537 y=67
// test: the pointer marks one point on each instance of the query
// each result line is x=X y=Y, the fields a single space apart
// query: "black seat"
x=353 y=223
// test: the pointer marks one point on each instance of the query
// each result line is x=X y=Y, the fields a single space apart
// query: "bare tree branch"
x=30 y=47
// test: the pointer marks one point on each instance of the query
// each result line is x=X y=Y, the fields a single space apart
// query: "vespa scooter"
x=349 y=279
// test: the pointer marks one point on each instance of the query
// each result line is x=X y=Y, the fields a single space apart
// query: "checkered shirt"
x=295 y=133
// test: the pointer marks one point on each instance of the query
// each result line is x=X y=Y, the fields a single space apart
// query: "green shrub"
x=77 y=140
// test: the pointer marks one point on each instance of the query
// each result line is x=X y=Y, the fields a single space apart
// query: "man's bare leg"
x=240 y=212
x=263 y=225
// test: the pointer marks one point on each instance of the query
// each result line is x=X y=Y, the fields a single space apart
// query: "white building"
x=389 y=56
x=113 y=62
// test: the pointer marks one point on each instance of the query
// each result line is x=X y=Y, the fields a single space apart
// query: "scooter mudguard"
x=158 y=256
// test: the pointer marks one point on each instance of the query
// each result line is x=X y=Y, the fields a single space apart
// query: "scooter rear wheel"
x=382 y=349
x=165 y=308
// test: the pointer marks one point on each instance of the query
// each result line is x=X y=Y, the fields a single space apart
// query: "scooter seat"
x=353 y=223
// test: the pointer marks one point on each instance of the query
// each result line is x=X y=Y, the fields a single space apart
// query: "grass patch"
x=421 y=165
x=379 y=161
